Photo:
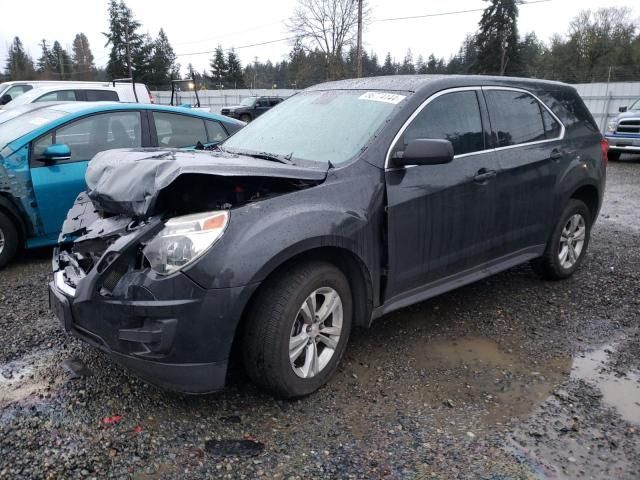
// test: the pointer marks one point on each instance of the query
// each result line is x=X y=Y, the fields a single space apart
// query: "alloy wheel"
x=315 y=333
x=572 y=241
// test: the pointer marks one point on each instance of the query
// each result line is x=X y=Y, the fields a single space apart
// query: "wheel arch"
x=589 y=195
x=8 y=208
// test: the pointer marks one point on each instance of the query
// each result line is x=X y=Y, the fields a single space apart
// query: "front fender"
x=263 y=235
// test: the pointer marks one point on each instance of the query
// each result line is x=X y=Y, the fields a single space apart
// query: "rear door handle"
x=484 y=175
x=555 y=154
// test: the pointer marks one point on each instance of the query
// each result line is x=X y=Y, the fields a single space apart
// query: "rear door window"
x=516 y=117
x=453 y=116
x=177 y=131
x=58 y=96
x=552 y=128
x=101 y=96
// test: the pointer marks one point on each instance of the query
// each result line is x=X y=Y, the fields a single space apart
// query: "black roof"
x=414 y=83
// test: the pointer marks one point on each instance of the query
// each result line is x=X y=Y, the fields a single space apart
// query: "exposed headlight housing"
x=612 y=126
x=184 y=239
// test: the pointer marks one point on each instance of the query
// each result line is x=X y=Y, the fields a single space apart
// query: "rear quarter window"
x=101 y=96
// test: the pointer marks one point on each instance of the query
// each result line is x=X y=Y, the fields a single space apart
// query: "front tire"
x=297 y=329
x=568 y=244
x=9 y=239
x=246 y=118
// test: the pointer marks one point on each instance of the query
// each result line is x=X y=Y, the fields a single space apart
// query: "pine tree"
x=62 y=66
x=497 y=40
x=123 y=32
x=82 y=58
x=46 y=62
x=407 y=65
x=162 y=66
x=388 y=68
x=218 y=67
x=19 y=64
x=233 y=77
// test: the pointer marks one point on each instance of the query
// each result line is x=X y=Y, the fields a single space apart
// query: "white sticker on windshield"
x=38 y=121
x=393 y=98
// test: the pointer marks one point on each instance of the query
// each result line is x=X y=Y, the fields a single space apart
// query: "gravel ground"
x=508 y=378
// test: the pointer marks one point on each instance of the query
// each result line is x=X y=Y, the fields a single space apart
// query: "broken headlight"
x=184 y=239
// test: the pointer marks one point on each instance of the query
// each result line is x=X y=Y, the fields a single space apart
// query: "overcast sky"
x=200 y=25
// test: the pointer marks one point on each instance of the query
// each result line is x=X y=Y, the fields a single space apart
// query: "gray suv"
x=350 y=200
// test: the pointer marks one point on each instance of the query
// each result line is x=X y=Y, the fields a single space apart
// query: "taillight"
x=604 y=146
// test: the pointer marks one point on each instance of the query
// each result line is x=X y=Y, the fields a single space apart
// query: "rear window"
x=516 y=117
x=101 y=96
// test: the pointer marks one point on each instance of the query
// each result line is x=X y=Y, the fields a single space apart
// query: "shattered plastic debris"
x=228 y=447
x=111 y=420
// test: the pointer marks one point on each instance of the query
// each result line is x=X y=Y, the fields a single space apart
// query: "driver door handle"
x=484 y=175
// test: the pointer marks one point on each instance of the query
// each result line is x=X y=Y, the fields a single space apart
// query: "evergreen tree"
x=234 y=77
x=62 y=65
x=497 y=40
x=408 y=67
x=82 y=58
x=218 y=67
x=19 y=64
x=388 y=68
x=123 y=33
x=162 y=65
x=46 y=62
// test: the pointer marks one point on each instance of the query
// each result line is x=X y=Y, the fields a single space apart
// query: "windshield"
x=635 y=105
x=321 y=126
x=8 y=114
x=248 y=102
x=17 y=127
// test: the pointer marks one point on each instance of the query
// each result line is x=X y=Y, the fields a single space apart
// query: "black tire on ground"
x=549 y=266
x=273 y=318
x=9 y=239
x=245 y=117
x=613 y=156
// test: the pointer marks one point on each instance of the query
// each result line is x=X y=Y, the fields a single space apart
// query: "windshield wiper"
x=272 y=157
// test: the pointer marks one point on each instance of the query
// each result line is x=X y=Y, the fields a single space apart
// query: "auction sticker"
x=393 y=98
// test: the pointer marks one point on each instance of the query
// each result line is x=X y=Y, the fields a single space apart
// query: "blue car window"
x=97 y=133
x=177 y=131
x=41 y=144
x=215 y=131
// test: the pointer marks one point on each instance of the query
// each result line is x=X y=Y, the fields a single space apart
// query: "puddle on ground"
x=619 y=392
x=27 y=376
x=466 y=383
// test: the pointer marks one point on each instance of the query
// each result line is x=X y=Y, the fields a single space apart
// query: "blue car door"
x=56 y=185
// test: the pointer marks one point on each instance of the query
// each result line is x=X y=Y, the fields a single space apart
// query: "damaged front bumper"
x=166 y=329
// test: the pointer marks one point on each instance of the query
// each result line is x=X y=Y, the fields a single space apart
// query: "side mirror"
x=622 y=109
x=425 y=151
x=56 y=152
x=6 y=98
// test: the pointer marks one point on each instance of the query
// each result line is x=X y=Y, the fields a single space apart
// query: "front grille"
x=224 y=111
x=629 y=126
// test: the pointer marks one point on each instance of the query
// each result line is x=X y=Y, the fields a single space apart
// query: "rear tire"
x=293 y=340
x=9 y=240
x=613 y=156
x=568 y=244
x=246 y=118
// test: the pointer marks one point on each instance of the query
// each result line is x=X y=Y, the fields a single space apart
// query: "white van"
x=20 y=93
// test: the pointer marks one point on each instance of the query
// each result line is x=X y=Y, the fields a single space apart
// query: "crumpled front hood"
x=129 y=181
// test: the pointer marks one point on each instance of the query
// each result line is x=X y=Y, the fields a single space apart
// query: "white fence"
x=602 y=99
x=216 y=99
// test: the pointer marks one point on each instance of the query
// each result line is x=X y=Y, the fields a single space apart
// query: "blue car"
x=44 y=155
